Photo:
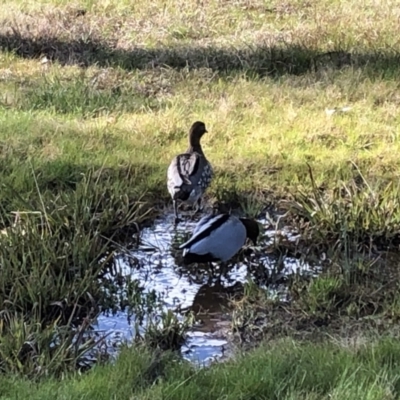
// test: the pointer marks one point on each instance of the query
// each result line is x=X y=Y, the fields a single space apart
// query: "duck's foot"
x=197 y=209
x=191 y=217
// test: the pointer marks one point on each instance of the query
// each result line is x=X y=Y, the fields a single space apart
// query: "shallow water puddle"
x=158 y=268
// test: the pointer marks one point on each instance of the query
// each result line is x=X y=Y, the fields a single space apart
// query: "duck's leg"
x=197 y=208
x=175 y=204
x=199 y=205
x=210 y=273
x=216 y=272
x=212 y=268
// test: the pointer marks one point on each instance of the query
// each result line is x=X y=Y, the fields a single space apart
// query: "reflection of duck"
x=211 y=302
x=218 y=238
x=190 y=173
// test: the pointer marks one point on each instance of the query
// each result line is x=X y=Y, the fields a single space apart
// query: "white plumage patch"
x=205 y=223
x=189 y=175
x=223 y=241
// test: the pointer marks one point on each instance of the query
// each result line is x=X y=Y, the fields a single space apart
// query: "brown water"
x=157 y=267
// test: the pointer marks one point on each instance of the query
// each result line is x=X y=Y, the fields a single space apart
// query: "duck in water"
x=219 y=238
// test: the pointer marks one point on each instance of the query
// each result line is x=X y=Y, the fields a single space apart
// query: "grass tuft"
x=53 y=257
x=354 y=216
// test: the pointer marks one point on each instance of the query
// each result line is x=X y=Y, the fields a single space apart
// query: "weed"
x=53 y=259
x=252 y=204
x=165 y=331
x=348 y=218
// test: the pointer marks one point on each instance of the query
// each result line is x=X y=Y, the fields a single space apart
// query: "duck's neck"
x=197 y=149
x=194 y=145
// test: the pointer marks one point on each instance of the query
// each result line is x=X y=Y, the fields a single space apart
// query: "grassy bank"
x=100 y=88
x=116 y=90
x=280 y=370
x=300 y=100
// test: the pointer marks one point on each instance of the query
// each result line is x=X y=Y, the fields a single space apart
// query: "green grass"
x=97 y=97
x=53 y=264
x=257 y=73
x=280 y=370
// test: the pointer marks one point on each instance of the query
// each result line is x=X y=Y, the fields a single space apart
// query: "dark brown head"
x=197 y=130
x=252 y=229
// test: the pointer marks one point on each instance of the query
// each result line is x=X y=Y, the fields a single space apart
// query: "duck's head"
x=252 y=229
x=197 y=130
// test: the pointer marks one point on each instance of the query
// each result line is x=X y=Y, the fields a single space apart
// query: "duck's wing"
x=183 y=167
x=204 y=228
x=188 y=165
x=203 y=223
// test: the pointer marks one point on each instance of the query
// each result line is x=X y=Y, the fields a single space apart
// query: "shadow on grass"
x=259 y=60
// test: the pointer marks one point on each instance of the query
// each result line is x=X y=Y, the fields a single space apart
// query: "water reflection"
x=158 y=267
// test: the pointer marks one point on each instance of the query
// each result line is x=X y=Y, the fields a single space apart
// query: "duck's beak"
x=205 y=131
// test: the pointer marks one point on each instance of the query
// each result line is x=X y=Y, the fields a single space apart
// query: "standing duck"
x=190 y=174
x=218 y=238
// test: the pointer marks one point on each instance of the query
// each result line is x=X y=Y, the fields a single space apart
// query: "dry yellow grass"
x=264 y=76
